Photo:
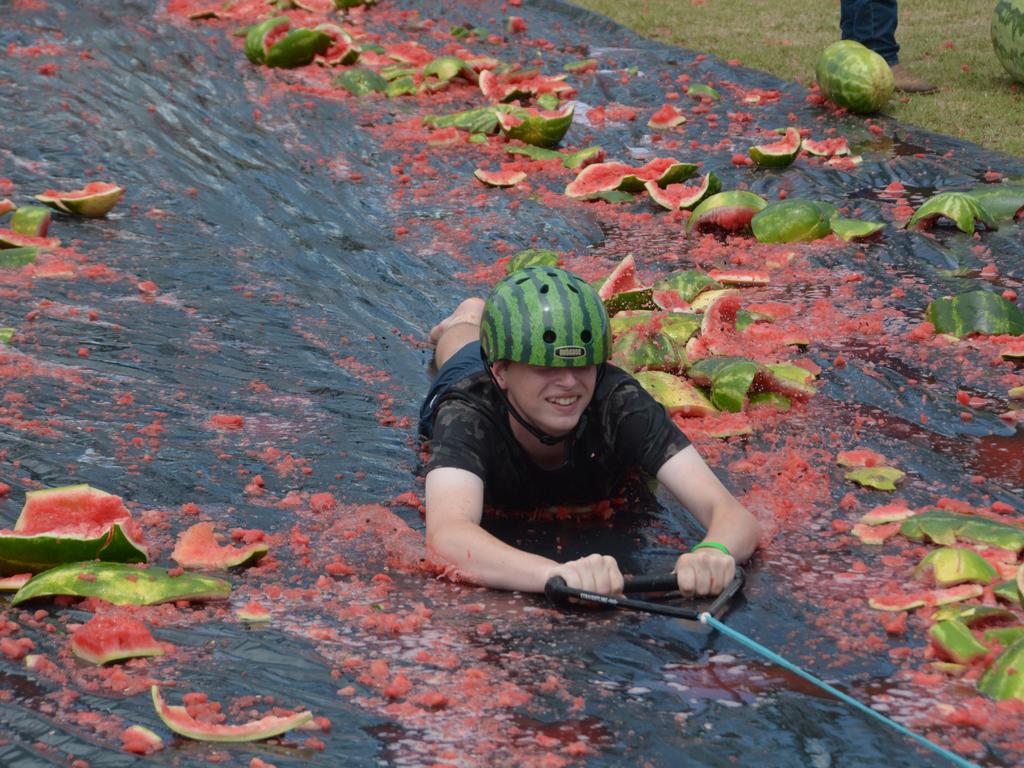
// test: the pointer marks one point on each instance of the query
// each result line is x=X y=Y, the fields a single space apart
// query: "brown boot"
x=909 y=83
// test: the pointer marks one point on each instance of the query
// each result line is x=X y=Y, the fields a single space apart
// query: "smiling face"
x=552 y=399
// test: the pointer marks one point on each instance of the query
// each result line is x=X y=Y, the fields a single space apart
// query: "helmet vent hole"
x=522 y=280
x=549 y=336
x=545 y=288
x=585 y=336
x=573 y=288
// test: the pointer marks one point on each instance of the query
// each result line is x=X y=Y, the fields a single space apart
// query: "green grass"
x=945 y=41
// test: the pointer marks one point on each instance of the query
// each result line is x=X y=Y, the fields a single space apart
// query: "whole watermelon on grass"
x=855 y=77
x=1008 y=36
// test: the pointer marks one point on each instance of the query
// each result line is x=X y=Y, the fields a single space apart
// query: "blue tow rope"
x=711 y=621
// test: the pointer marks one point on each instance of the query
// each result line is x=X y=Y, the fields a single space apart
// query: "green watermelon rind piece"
x=121 y=584
x=40 y=552
x=688 y=284
x=853 y=229
x=499 y=178
x=636 y=350
x=540 y=129
x=956 y=641
x=949 y=566
x=257 y=33
x=31 y=220
x=298 y=48
x=362 y=82
x=960 y=207
x=178 y=720
x=532 y=257
x=944 y=527
x=879 y=477
x=16 y=258
x=730 y=379
x=1005 y=678
x=981 y=311
x=677 y=395
x=1003 y=202
x=974 y=614
x=777 y=154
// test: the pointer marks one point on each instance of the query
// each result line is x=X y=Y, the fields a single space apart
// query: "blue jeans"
x=873 y=24
x=463 y=363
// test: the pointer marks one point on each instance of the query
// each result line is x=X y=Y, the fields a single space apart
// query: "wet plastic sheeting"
x=296 y=280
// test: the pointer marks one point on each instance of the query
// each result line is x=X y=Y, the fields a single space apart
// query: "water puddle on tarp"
x=243 y=340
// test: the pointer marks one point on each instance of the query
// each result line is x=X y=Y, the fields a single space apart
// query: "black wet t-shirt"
x=622 y=431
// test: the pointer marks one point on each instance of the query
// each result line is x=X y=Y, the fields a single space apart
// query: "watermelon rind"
x=1005 y=678
x=638 y=349
x=621 y=279
x=701 y=91
x=10 y=239
x=122 y=584
x=982 y=312
x=687 y=284
x=40 y=552
x=729 y=378
x=1008 y=36
x=793 y=220
x=257 y=33
x=955 y=641
x=677 y=197
x=668 y=116
x=499 y=178
x=54 y=527
x=532 y=257
x=780 y=153
x=178 y=720
x=541 y=129
x=855 y=77
x=297 y=49
x=31 y=220
x=1003 y=202
x=197 y=549
x=116 y=647
x=677 y=395
x=731 y=211
x=361 y=82
x=94 y=200
x=973 y=615
x=944 y=527
x=949 y=566
x=852 y=229
x=880 y=478
x=16 y=258
x=963 y=209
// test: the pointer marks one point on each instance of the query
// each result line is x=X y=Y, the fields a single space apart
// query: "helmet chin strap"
x=542 y=436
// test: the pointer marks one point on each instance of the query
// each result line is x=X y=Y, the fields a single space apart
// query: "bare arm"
x=454 y=502
x=691 y=481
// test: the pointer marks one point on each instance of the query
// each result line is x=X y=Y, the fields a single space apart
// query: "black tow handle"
x=557 y=591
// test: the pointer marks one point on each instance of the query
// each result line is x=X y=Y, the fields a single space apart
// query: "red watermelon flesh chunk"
x=69 y=508
x=197 y=548
x=622 y=279
x=111 y=638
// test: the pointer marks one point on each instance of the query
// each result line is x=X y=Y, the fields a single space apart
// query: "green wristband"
x=712 y=545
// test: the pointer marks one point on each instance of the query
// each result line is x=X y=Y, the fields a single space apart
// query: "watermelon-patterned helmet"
x=545 y=316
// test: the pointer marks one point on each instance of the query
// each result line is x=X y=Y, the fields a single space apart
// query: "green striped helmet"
x=545 y=316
